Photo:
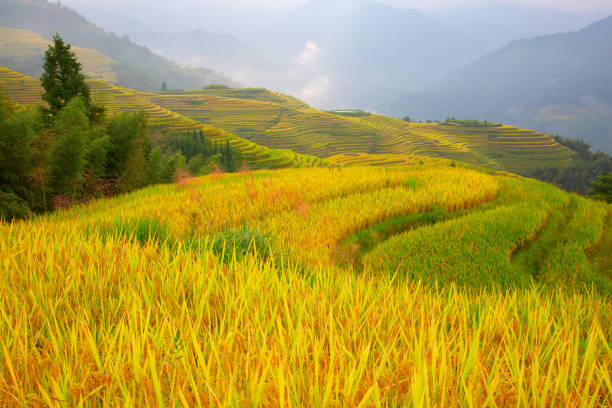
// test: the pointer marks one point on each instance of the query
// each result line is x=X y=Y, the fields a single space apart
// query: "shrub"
x=11 y=206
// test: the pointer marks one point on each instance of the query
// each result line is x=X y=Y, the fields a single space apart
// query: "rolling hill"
x=558 y=83
x=135 y=66
x=229 y=291
x=288 y=126
x=23 y=51
x=501 y=23
x=26 y=91
x=341 y=137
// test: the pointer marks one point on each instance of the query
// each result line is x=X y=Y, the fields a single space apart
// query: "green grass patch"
x=533 y=254
x=349 y=252
x=239 y=243
x=470 y=251
x=350 y=113
x=412 y=183
x=141 y=230
x=602 y=256
x=476 y=123
x=216 y=87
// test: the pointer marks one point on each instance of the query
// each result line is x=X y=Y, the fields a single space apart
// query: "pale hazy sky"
x=425 y=5
x=240 y=16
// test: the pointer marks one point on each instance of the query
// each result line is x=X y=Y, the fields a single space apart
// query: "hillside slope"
x=136 y=66
x=501 y=23
x=26 y=91
x=558 y=83
x=286 y=125
x=278 y=121
x=23 y=51
x=225 y=292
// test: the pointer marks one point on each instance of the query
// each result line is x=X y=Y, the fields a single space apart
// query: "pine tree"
x=228 y=158
x=62 y=78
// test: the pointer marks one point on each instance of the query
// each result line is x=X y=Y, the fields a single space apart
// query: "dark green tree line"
x=579 y=176
x=66 y=151
x=602 y=188
x=193 y=152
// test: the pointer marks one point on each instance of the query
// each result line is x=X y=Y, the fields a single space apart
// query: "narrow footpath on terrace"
x=351 y=250
x=533 y=254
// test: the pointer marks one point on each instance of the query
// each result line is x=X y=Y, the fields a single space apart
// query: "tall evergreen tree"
x=62 y=78
x=228 y=158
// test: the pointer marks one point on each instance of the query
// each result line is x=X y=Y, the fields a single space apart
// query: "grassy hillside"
x=279 y=121
x=23 y=51
x=468 y=290
x=25 y=90
x=136 y=66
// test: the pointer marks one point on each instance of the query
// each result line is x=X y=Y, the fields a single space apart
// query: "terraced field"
x=505 y=146
x=25 y=49
x=25 y=90
x=272 y=120
x=21 y=89
x=279 y=121
x=257 y=117
x=473 y=290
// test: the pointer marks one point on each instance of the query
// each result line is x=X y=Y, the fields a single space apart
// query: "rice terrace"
x=232 y=246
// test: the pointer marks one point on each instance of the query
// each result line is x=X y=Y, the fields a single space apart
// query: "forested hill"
x=558 y=83
x=136 y=66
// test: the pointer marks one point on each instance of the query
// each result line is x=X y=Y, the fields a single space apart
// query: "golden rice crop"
x=86 y=321
x=314 y=231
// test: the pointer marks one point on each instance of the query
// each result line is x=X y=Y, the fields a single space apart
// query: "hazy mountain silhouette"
x=556 y=83
x=137 y=66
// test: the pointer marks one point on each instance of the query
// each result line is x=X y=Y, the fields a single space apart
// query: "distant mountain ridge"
x=499 y=24
x=334 y=54
x=136 y=66
x=559 y=83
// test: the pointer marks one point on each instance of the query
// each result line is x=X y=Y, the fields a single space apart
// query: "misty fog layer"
x=332 y=54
